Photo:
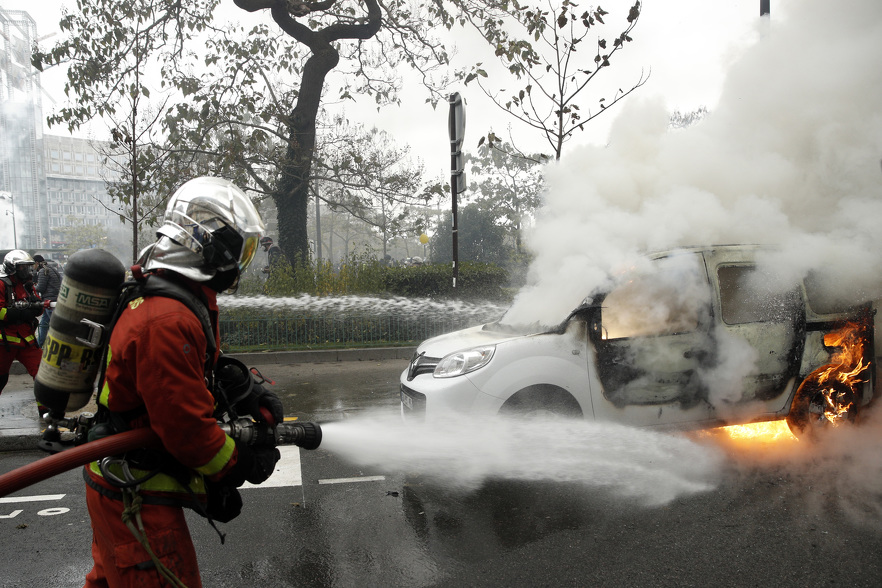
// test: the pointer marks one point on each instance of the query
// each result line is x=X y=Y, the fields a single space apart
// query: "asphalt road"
x=777 y=513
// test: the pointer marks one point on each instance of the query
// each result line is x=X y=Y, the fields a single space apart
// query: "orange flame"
x=764 y=432
x=844 y=369
x=845 y=366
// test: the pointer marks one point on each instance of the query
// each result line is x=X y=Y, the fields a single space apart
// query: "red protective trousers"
x=121 y=561
x=27 y=356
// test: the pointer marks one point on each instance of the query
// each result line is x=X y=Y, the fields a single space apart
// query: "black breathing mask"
x=23 y=272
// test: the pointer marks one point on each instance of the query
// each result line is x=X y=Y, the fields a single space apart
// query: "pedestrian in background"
x=274 y=255
x=48 y=285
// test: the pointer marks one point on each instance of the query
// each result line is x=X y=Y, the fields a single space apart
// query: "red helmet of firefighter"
x=156 y=377
x=21 y=305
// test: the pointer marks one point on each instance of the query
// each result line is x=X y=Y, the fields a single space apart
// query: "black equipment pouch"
x=224 y=502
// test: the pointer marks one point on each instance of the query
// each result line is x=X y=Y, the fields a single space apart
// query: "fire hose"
x=306 y=435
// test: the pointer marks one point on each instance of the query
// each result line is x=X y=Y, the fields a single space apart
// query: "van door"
x=754 y=308
x=654 y=334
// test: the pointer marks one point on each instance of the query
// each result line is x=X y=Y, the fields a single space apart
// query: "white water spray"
x=398 y=306
x=649 y=467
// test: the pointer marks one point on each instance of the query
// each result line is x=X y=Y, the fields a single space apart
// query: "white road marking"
x=287 y=472
x=358 y=479
x=16 y=499
x=51 y=512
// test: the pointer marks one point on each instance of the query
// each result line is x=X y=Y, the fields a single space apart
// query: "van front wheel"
x=543 y=400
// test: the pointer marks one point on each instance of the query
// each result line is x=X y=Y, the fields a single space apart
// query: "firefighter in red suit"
x=156 y=377
x=21 y=307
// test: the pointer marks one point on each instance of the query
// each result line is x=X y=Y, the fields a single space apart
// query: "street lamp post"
x=11 y=212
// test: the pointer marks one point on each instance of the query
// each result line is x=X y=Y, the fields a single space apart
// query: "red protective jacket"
x=157 y=362
x=16 y=334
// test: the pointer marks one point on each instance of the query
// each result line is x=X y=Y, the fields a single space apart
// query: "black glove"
x=23 y=311
x=259 y=398
x=255 y=464
x=235 y=382
x=17 y=315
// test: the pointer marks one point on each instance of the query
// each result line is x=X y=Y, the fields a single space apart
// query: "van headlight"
x=463 y=362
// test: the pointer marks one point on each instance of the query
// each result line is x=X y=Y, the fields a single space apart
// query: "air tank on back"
x=76 y=339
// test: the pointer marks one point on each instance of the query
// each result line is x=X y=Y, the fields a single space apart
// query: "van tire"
x=541 y=400
x=806 y=419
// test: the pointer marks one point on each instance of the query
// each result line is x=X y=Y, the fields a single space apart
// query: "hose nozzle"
x=306 y=435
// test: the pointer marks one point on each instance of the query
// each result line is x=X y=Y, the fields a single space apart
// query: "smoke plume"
x=790 y=157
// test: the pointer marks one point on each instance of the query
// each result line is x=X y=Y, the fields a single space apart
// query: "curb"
x=23 y=439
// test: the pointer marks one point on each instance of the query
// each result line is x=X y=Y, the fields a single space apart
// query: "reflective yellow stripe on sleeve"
x=3 y=313
x=220 y=459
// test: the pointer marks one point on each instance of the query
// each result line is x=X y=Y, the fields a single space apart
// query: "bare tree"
x=554 y=51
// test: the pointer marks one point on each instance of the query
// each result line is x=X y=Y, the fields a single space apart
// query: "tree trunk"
x=292 y=195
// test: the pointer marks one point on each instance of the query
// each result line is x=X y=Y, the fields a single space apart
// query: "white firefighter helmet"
x=17 y=260
x=210 y=226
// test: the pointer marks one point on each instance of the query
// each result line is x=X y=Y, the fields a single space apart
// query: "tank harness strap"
x=114 y=495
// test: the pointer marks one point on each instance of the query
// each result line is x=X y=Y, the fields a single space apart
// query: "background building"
x=76 y=189
x=47 y=182
x=24 y=209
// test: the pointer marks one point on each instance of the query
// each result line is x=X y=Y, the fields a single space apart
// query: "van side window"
x=670 y=298
x=825 y=295
x=746 y=297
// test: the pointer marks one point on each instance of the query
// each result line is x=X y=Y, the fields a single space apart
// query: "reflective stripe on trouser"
x=121 y=561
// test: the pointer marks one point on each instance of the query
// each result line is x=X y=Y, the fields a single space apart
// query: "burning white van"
x=699 y=337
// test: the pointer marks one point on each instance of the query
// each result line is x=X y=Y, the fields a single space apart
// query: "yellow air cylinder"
x=76 y=339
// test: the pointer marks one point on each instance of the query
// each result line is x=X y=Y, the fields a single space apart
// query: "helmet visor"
x=249 y=249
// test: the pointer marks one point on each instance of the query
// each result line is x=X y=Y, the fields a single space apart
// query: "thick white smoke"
x=790 y=156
